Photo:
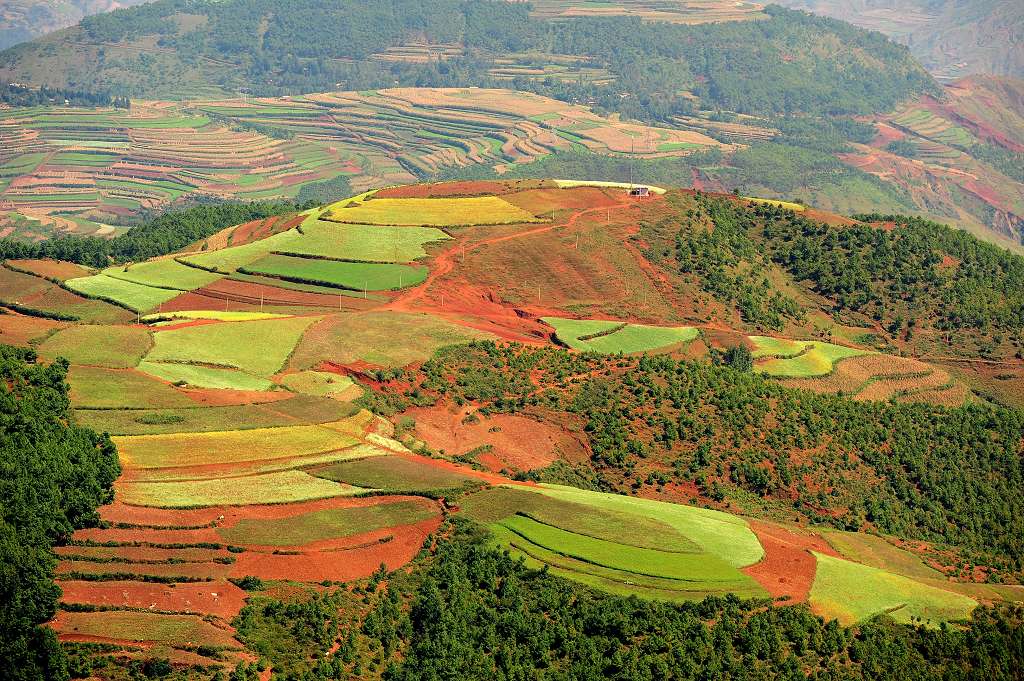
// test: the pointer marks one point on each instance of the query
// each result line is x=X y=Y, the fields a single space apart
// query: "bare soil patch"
x=220 y=598
x=788 y=567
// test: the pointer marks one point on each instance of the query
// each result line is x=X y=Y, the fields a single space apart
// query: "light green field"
x=474 y=210
x=354 y=276
x=569 y=184
x=326 y=524
x=106 y=346
x=788 y=205
x=618 y=556
x=393 y=474
x=295 y=410
x=851 y=592
x=174 y=630
x=322 y=383
x=616 y=337
x=166 y=273
x=721 y=534
x=235 y=446
x=257 y=347
x=622 y=544
x=818 y=360
x=387 y=339
x=198 y=376
x=229 y=259
x=101 y=388
x=376 y=243
x=766 y=346
x=218 y=315
x=499 y=503
x=270 y=488
x=877 y=552
x=137 y=297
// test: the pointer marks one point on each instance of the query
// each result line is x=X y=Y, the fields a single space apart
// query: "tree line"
x=13 y=94
x=53 y=476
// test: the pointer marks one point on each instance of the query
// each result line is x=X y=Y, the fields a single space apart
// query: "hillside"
x=786 y=62
x=766 y=415
x=951 y=39
x=23 y=20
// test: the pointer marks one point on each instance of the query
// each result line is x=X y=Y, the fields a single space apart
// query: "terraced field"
x=614 y=337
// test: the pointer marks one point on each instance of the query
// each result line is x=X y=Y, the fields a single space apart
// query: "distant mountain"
x=787 y=62
x=23 y=20
x=951 y=38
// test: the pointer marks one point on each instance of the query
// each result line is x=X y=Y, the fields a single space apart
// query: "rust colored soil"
x=16 y=329
x=341 y=565
x=518 y=442
x=220 y=598
x=214 y=397
x=788 y=567
x=53 y=269
x=248 y=292
x=222 y=516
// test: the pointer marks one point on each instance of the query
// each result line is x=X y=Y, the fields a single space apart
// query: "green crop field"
x=137 y=297
x=767 y=346
x=106 y=346
x=613 y=337
x=623 y=544
x=393 y=474
x=165 y=273
x=327 y=524
x=299 y=409
x=875 y=551
x=851 y=592
x=197 y=376
x=101 y=388
x=258 y=347
x=268 y=488
x=385 y=338
x=817 y=360
x=721 y=534
x=619 y=556
x=375 y=243
x=177 y=630
x=643 y=531
x=235 y=446
x=229 y=259
x=475 y=210
x=322 y=383
x=354 y=276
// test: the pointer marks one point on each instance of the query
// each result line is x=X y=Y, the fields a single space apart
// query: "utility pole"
x=577 y=240
x=261 y=302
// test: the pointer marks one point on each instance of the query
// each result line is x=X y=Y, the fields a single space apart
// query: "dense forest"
x=791 y=62
x=949 y=476
x=53 y=476
x=12 y=94
x=161 y=235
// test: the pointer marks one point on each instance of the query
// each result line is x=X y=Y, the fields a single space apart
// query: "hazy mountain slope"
x=951 y=38
x=788 y=62
x=23 y=20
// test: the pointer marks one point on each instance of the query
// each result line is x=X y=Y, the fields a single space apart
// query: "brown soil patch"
x=342 y=564
x=788 y=567
x=16 y=329
x=518 y=442
x=220 y=598
x=214 y=397
x=246 y=295
x=54 y=269
x=540 y=201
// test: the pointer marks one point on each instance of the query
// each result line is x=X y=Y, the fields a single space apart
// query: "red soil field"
x=214 y=397
x=53 y=269
x=788 y=567
x=220 y=598
x=519 y=443
x=540 y=201
x=342 y=564
x=241 y=295
x=16 y=329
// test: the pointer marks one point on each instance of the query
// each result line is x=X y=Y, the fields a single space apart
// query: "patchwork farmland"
x=286 y=420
